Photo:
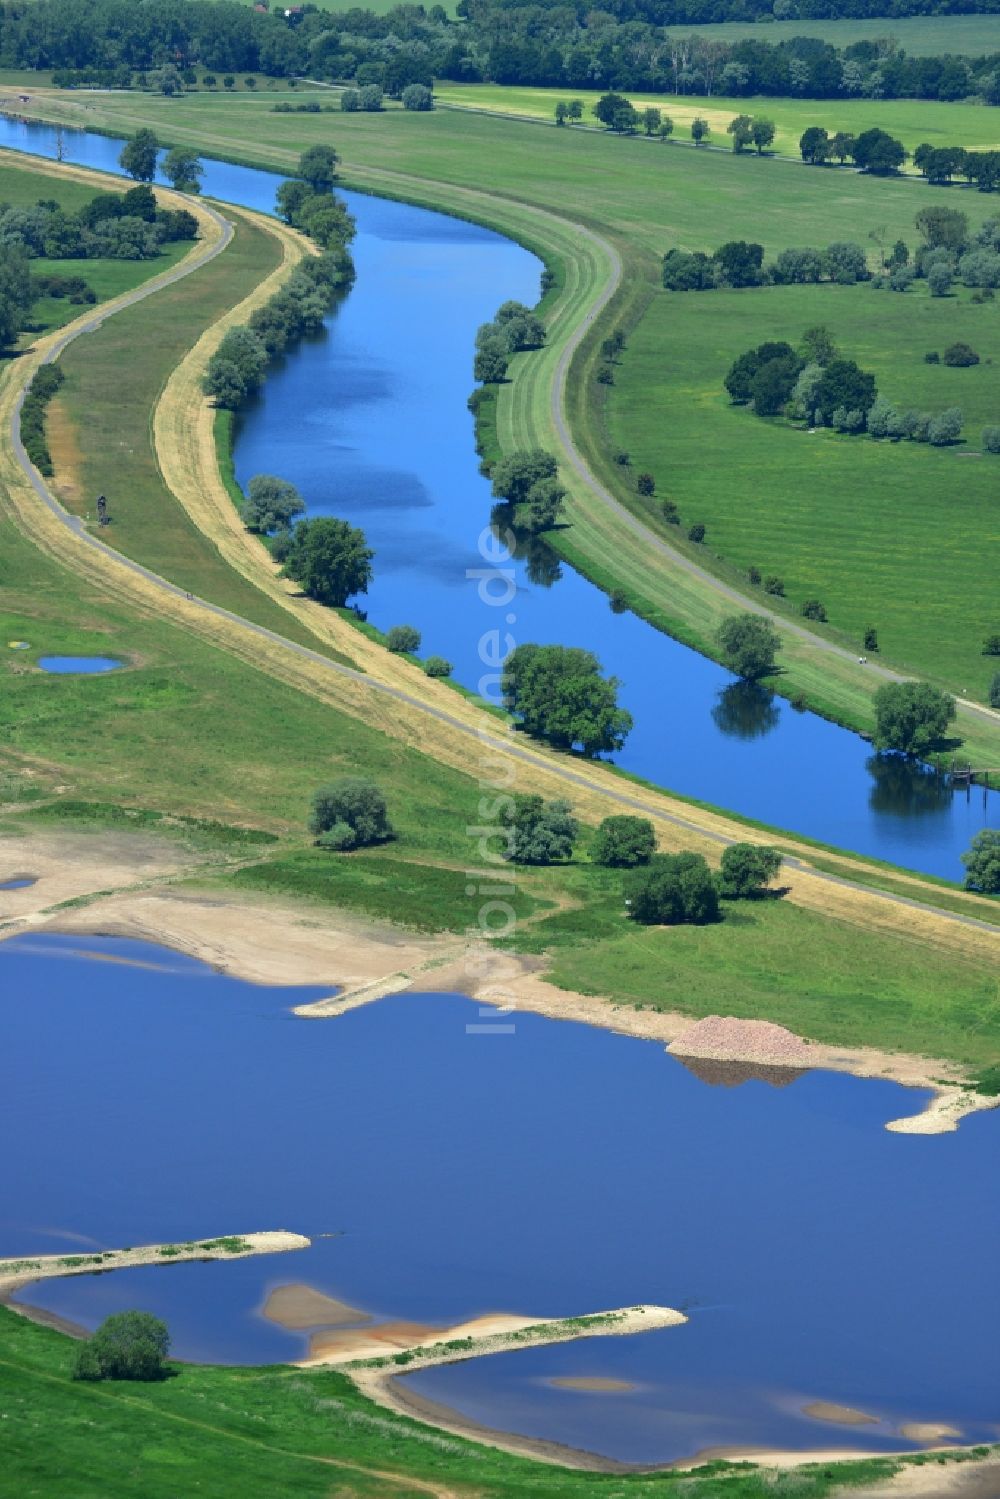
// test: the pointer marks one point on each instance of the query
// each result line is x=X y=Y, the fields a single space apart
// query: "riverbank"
x=672 y=588
x=281 y=942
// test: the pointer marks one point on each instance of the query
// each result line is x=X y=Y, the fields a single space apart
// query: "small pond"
x=554 y=1170
x=79 y=666
x=21 y=883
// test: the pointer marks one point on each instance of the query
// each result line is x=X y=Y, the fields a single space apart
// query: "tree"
x=814 y=145
x=437 y=666
x=940 y=279
x=944 y=227
x=318 y=167
x=329 y=559
x=561 y=111
x=183 y=170
x=403 y=639
x=542 y=507
x=740 y=261
x=515 y=477
x=748 y=644
x=540 y=832
x=991 y=645
x=665 y=128
x=168 y=80
x=350 y=813
x=982 y=862
x=870 y=641
x=271 y=504
x=761 y=133
x=670 y=889
x=741 y=130
x=138 y=156
x=622 y=842
x=877 y=152
x=127 y=1345
x=490 y=363
x=911 y=716
x=741 y=378
x=645 y=484
x=747 y=868
x=994 y=696
x=616 y=113
x=842 y=145
x=960 y=355
x=945 y=428
x=700 y=130
x=559 y=695
x=844 y=384
x=651 y=120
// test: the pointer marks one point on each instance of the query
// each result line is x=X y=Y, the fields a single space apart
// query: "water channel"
x=369 y=421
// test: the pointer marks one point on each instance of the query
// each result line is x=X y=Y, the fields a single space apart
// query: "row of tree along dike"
x=557 y=693
x=623 y=45
x=237 y=368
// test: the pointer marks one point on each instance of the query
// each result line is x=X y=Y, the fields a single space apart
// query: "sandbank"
x=591 y=1384
x=840 y=1415
x=298 y=1308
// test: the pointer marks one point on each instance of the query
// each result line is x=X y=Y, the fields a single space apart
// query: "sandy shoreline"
x=281 y=943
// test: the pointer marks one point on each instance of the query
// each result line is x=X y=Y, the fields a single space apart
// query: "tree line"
x=621 y=46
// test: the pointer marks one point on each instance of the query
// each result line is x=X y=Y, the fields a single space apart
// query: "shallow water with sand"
x=444 y=1175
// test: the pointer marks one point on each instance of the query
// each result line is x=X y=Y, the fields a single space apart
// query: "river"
x=552 y=1171
x=369 y=421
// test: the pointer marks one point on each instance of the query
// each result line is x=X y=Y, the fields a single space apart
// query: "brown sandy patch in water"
x=840 y=1415
x=928 y=1431
x=371 y=1342
x=587 y=1384
x=298 y=1307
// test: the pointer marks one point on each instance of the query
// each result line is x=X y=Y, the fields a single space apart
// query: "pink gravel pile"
x=724 y=1038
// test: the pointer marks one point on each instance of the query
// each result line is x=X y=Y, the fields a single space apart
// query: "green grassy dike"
x=541 y=185
x=280 y=1431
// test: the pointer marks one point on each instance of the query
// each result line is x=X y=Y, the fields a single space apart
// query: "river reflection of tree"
x=905 y=788
x=541 y=563
x=745 y=710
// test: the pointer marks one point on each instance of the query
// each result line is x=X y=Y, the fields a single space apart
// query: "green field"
x=868 y=528
x=279 y=1431
x=919 y=36
x=910 y=120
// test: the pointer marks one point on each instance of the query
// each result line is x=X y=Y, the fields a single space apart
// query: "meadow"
x=283 y=1431
x=865 y=527
x=918 y=36
x=910 y=120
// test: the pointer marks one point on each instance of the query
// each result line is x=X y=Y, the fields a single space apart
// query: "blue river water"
x=553 y=1171
x=369 y=421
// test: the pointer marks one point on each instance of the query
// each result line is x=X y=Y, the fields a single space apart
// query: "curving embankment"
x=392 y=694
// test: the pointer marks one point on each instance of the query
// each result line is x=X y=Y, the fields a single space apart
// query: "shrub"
x=437 y=666
x=622 y=842
x=350 y=100
x=670 y=889
x=622 y=458
x=871 y=638
x=813 y=609
x=605 y=375
x=995 y=691
x=350 y=813
x=645 y=484
x=774 y=586
x=670 y=512
x=991 y=645
x=540 y=832
x=697 y=532
x=932 y=357
x=960 y=355
x=403 y=639
x=753 y=576
x=991 y=439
